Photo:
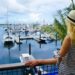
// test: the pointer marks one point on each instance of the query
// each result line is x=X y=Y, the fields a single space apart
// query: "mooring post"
x=29 y=49
x=19 y=36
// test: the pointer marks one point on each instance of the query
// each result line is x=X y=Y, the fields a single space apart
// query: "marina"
x=11 y=53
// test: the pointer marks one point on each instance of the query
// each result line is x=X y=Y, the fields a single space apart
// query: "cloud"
x=35 y=16
x=2 y=11
x=31 y=10
x=13 y=5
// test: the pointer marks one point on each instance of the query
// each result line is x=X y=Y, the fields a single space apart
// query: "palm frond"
x=59 y=28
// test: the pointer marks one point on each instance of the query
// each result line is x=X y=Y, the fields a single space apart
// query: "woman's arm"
x=65 y=46
x=41 y=62
x=47 y=61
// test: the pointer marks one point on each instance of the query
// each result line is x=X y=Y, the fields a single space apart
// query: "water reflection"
x=9 y=46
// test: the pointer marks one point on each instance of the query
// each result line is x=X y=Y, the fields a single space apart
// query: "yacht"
x=24 y=57
x=8 y=39
x=40 y=38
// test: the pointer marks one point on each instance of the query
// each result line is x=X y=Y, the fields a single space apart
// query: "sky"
x=30 y=11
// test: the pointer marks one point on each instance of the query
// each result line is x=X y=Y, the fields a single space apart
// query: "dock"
x=26 y=37
x=40 y=40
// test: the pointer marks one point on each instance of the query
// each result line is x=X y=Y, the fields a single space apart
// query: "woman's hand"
x=32 y=63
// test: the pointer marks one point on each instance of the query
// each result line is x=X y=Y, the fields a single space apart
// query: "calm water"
x=11 y=55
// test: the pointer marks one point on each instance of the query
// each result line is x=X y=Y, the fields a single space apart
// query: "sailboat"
x=8 y=38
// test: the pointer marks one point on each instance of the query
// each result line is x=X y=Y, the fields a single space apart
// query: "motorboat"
x=42 y=40
x=39 y=38
x=8 y=39
x=24 y=57
x=18 y=40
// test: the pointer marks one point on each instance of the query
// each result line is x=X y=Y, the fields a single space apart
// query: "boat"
x=26 y=57
x=8 y=39
x=42 y=40
x=18 y=40
x=39 y=38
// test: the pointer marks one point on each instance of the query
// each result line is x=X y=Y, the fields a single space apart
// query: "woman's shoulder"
x=67 y=40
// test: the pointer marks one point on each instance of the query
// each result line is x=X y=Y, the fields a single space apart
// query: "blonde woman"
x=66 y=55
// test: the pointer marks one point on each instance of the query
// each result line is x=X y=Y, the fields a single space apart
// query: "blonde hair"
x=70 y=29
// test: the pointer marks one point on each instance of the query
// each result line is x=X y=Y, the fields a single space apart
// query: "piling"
x=29 y=49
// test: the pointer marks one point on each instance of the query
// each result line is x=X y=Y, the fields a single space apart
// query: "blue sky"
x=27 y=11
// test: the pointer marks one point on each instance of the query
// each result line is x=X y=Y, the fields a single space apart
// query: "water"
x=11 y=55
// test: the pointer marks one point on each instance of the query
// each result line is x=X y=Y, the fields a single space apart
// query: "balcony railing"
x=20 y=69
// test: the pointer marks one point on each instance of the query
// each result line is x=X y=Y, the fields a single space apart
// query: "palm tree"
x=59 y=25
x=60 y=29
x=71 y=7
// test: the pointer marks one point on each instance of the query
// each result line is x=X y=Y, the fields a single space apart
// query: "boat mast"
x=7 y=21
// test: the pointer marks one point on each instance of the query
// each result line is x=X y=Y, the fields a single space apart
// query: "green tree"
x=59 y=24
x=60 y=29
x=47 y=28
x=69 y=8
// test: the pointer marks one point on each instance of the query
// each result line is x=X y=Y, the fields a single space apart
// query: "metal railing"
x=20 y=69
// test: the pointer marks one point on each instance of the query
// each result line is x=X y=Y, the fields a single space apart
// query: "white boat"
x=8 y=39
x=18 y=40
x=39 y=38
x=26 y=57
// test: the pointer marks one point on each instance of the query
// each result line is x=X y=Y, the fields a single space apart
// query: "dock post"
x=19 y=42
x=40 y=38
x=19 y=36
x=29 y=49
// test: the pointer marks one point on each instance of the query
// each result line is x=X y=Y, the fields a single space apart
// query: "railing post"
x=39 y=72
